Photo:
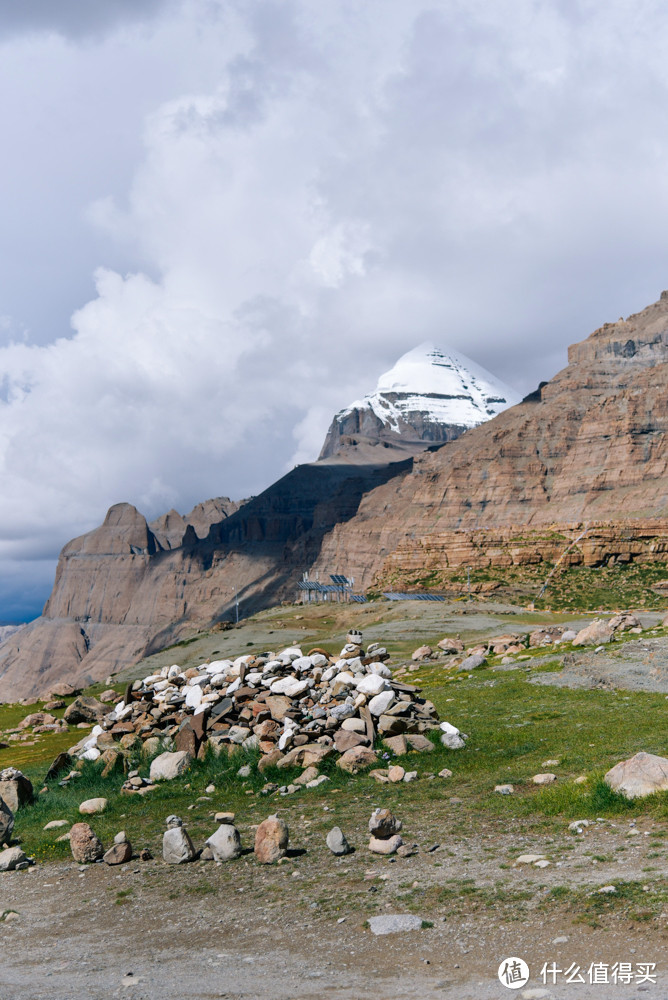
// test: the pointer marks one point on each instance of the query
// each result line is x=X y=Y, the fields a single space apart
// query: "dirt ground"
x=296 y=931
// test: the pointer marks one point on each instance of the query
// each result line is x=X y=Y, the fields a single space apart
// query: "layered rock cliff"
x=589 y=447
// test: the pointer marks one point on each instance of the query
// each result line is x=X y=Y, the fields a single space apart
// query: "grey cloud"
x=75 y=19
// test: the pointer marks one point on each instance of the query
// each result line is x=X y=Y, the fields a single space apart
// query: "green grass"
x=572 y=588
x=513 y=726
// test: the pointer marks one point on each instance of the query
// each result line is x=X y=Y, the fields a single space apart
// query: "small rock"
x=504 y=789
x=225 y=843
x=271 y=840
x=6 y=822
x=472 y=662
x=577 y=825
x=385 y=845
x=445 y=773
x=544 y=779
x=411 y=776
x=169 y=765
x=15 y=788
x=56 y=824
x=224 y=817
x=177 y=847
x=85 y=846
x=337 y=842
x=308 y=775
x=245 y=771
x=11 y=858
x=607 y=889
x=357 y=759
x=384 y=823
x=529 y=859
x=118 y=854
x=92 y=806
x=422 y=653
x=395 y=923
x=396 y=773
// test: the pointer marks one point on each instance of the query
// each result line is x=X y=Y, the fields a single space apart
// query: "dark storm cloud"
x=74 y=18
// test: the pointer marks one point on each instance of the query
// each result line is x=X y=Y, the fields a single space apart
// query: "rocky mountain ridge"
x=588 y=447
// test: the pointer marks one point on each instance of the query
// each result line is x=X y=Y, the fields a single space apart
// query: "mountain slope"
x=590 y=447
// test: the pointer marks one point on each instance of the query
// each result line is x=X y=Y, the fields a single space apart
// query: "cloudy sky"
x=222 y=219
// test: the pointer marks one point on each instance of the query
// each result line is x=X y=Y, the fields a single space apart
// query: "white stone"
x=395 y=923
x=504 y=789
x=371 y=684
x=225 y=843
x=56 y=824
x=169 y=765
x=10 y=858
x=91 y=806
x=353 y=725
x=544 y=779
x=529 y=859
x=194 y=696
x=177 y=847
x=382 y=701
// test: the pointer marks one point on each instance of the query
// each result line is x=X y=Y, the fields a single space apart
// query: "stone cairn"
x=297 y=709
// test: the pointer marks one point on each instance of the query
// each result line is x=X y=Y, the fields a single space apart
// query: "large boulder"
x=596 y=633
x=85 y=709
x=170 y=765
x=6 y=822
x=271 y=840
x=225 y=843
x=357 y=759
x=643 y=774
x=623 y=622
x=15 y=788
x=84 y=844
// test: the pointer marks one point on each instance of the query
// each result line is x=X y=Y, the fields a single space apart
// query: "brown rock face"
x=589 y=446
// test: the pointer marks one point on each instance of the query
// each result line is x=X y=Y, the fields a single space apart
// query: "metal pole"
x=236 y=595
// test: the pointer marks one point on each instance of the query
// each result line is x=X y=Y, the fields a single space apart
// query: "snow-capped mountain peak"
x=429 y=396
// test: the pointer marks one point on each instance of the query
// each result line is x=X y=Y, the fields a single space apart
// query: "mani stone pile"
x=297 y=709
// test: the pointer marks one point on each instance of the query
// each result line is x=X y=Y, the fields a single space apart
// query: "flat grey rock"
x=395 y=923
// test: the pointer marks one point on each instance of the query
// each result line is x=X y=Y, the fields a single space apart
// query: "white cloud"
x=286 y=196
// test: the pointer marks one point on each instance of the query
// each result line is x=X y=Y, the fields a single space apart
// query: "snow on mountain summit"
x=428 y=397
x=451 y=388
